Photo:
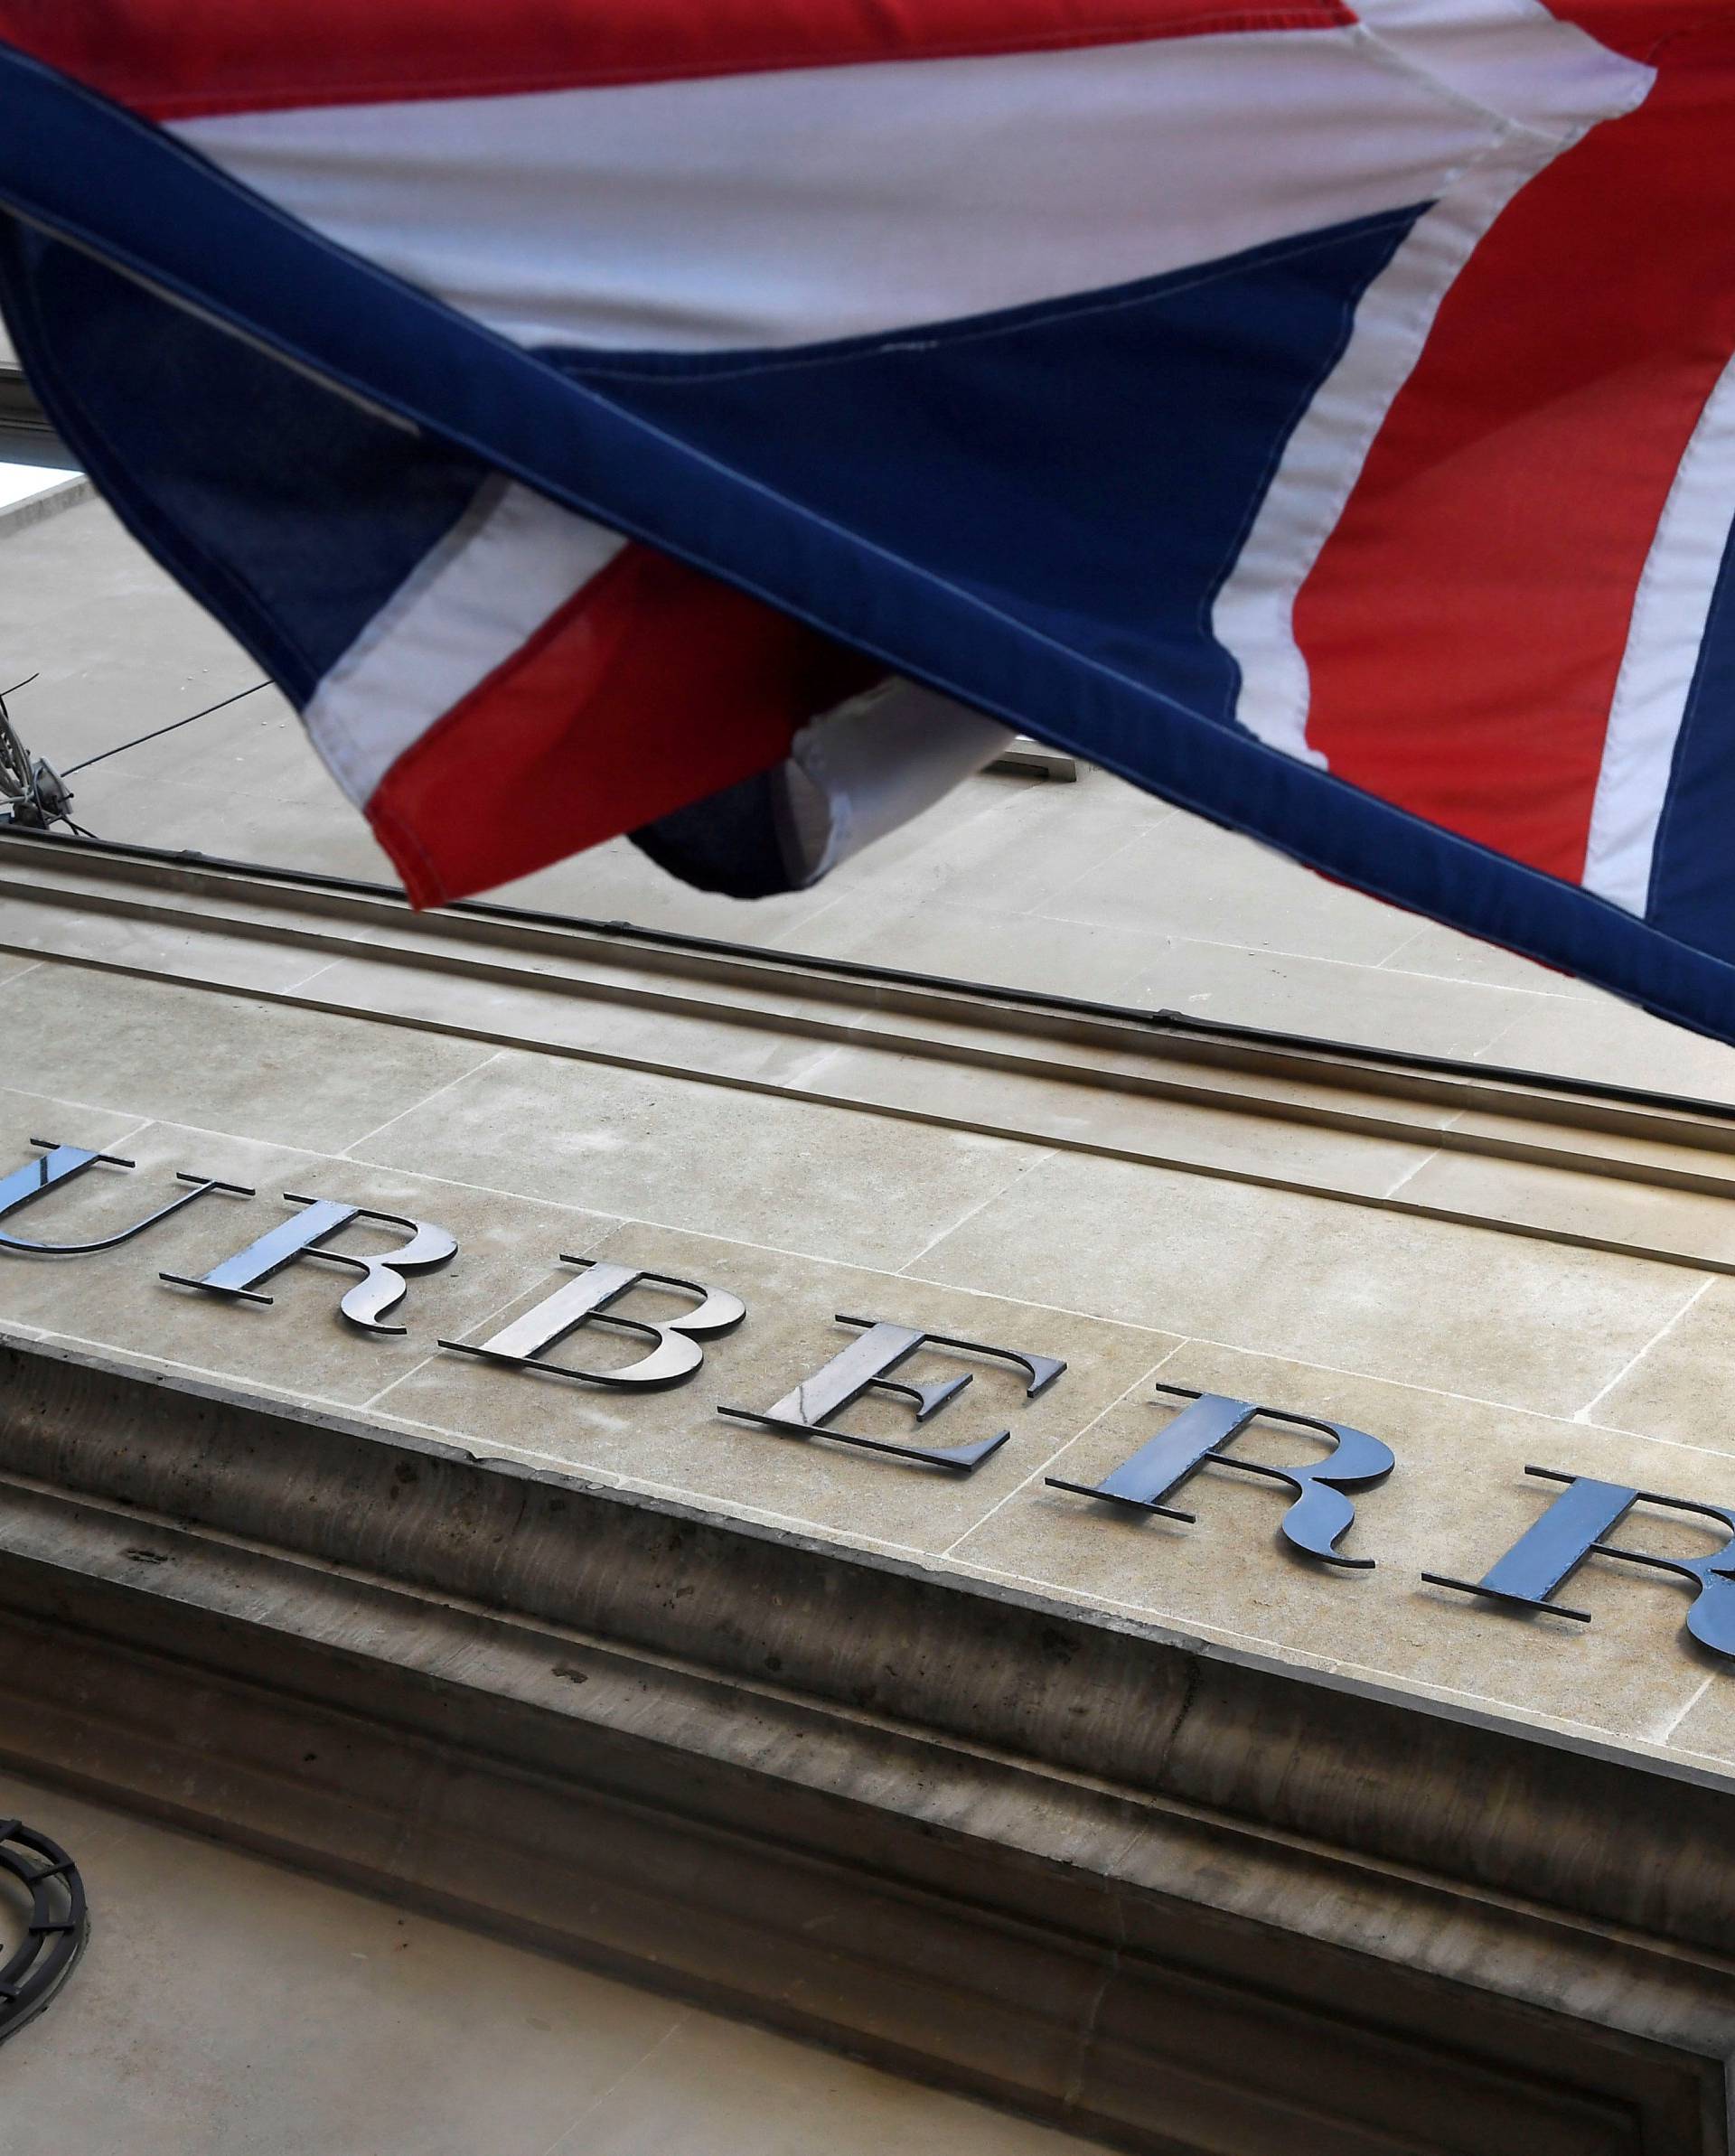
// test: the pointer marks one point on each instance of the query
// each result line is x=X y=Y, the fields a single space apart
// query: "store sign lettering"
x=1207 y=1433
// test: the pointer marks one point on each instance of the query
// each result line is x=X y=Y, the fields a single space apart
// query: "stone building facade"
x=720 y=1713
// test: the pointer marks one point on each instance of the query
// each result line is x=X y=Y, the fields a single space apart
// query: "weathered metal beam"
x=1025 y=757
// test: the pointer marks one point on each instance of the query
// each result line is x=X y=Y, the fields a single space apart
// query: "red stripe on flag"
x=652 y=687
x=1465 y=625
x=176 y=59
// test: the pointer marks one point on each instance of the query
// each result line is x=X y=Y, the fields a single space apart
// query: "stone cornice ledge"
x=1158 y=1890
x=1519 y=1154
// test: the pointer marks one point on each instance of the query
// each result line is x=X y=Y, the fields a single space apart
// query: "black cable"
x=169 y=728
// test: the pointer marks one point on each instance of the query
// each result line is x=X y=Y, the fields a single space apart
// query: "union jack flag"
x=1321 y=412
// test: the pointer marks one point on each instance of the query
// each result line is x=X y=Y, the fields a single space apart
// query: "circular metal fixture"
x=58 y=1929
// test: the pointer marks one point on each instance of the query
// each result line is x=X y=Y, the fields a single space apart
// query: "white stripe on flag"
x=792 y=207
x=1670 y=616
x=1554 y=83
x=1514 y=56
x=863 y=769
x=513 y=561
x=1254 y=615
